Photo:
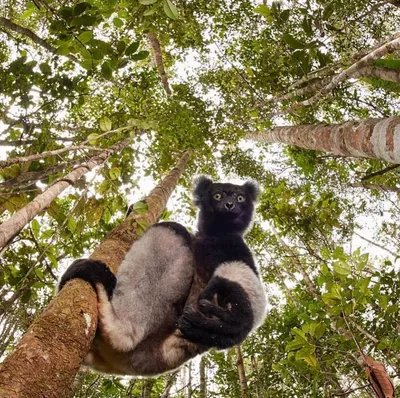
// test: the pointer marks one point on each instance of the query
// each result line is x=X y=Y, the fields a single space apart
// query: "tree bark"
x=387 y=48
x=390 y=75
x=203 y=379
x=30 y=177
x=22 y=217
x=43 y=155
x=369 y=138
x=377 y=187
x=147 y=387
x=6 y=23
x=48 y=356
x=241 y=372
x=158 y=60
x=70 y=148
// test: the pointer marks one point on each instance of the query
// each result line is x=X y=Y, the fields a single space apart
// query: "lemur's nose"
x=229 y=205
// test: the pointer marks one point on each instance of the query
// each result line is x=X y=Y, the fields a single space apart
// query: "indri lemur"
x=176 y=295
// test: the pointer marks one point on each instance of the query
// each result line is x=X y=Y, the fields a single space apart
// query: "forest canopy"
x=100 y=100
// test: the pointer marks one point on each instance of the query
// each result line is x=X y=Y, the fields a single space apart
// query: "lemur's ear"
x=200 y=187
x=252 y=189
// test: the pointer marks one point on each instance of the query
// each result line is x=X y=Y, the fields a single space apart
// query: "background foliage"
x=85 y=74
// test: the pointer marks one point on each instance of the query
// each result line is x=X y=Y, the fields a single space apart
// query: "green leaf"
x=319 y=331
x=305 y=352
x=149 y=12
x=118 y=22
x=263 y=10
x=140 y=55
x=71 y=224
x=26 y=296
x=388 y=63
x=81 y=7
x=67 y=12
x=106 y=70
x=292 y=41
x=140 y=207
x=88 y=20
x=45 y=68
x=85 y=36
x=87 y=64
x=39 y=273
x=114 y=173
x=121 y=46
x=147 y=2
x=383 y=301
x=93 y=137
x=144 y=224
x=35 y=228
x=311 y=360
x=284 y=15
x=63 y=50
x=295 y=344
x=170 y=9
x=341 y=268
x=105 y=123
x=132 y=48
x=26 y=14
x=328 y=11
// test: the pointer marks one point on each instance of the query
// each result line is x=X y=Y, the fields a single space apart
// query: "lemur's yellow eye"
x=217 y=196
x=240 y=198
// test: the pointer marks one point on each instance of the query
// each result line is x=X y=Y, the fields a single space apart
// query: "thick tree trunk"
x=48 y=356
x=369 y=138
x=241 y=372
x=22 y=217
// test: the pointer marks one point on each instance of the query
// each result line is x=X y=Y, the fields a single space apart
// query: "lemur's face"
x=224 y=203
x=228 y=198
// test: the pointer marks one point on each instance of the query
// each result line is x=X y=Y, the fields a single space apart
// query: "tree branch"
x=158 y=59
x=386 y=48
x=8 y=24
x=380 y=172
x=23 y=216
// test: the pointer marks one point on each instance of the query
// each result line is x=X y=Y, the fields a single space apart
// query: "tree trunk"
x=158 y=60
x=203 y=380
x=147 y=386
x=369 y=138
x=189 y=384
x=241 y=372
x=48 y=356
x=169 y=382
x=254 y=365
x=22 y=217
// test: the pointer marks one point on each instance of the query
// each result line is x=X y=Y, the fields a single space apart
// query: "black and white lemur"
x=176 y=295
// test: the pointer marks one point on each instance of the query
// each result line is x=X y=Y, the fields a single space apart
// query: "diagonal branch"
x=8 y=24
x=380 y=172
x=18 y=220
x=158 y=59
x=386 y=48
x=42 y=155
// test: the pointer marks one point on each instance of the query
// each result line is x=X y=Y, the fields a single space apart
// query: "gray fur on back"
x=152 y=280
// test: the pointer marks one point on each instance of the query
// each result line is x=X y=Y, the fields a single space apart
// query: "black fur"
x=92 y=271
x=223 y=324
x=222 y=222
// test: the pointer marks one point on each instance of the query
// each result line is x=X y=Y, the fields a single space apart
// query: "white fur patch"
x=117 y=333
x=242 y=274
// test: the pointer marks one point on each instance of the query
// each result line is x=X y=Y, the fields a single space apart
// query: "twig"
x=380 y=172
